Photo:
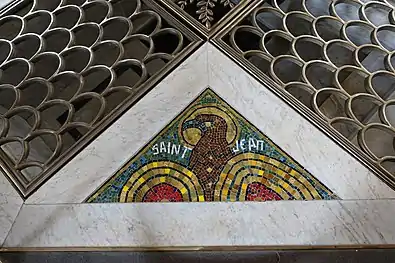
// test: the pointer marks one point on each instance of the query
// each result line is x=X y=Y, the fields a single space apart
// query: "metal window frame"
x=6 y=165
x=199 y=27
x=291 y=101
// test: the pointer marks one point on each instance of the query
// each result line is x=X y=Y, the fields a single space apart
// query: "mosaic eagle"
x=222 y=165
x=216 y=173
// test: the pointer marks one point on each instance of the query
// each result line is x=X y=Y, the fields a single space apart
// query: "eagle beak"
x=194 y=124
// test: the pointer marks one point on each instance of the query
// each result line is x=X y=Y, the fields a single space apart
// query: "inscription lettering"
x=250 y=143
x=170 y=148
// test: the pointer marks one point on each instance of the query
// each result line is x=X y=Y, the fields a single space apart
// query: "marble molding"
x=10 y=204
x=3 y=3
x=205 y=224
x=329 y=163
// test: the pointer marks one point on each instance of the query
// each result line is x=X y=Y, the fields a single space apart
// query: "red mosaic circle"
x=163 y=193
x=259 y=192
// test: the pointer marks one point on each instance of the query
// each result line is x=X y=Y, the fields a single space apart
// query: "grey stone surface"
x=301 y=256
x=5 y=2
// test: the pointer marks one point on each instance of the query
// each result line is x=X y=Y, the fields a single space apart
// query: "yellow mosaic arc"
x=247 y=168
x=156 y=173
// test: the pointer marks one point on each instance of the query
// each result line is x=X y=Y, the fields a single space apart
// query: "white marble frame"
x=329 y=163
x=55 y=217
x=291 y=223
x=10 y=204
x=3 y=3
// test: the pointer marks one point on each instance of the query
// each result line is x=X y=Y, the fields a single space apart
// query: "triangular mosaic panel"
x=210 y=152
